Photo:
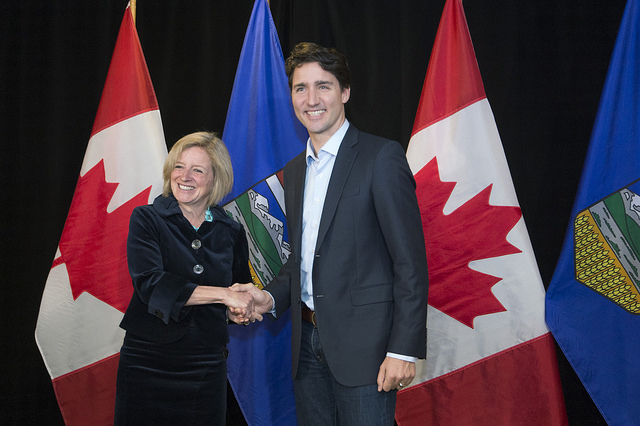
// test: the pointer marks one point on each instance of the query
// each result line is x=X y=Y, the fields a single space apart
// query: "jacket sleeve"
x=396 y=206
x=164 y=293
x=241 y=271
x=280 y=287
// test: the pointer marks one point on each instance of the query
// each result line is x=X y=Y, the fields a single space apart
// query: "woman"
x=183 y=252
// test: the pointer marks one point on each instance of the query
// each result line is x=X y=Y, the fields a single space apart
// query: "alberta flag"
x=593 y=301
x=490 y=357
x=89 y=287
x=262 y=135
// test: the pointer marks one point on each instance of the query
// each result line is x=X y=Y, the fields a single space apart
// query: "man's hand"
x=241 y=305
x=262 y=304
x=395 y=374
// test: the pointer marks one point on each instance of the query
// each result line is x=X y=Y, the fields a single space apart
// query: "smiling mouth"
x=316 y=112
x=186 y=188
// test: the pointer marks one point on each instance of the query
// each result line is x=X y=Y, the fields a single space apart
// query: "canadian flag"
x=490 y=357
x=89 y=287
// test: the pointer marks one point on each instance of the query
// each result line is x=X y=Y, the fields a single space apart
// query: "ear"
x=346 y=94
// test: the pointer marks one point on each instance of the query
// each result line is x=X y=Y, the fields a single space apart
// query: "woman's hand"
x=261 y=304
x=241 y=305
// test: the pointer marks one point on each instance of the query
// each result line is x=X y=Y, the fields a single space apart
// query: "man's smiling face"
x=318 y=101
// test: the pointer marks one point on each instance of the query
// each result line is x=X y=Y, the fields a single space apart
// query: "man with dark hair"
x=356 y=279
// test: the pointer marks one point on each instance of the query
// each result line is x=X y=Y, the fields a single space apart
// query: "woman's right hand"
x=240 y=303
x=262 y=303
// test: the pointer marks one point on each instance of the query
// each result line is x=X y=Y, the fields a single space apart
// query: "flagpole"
x=132 y=4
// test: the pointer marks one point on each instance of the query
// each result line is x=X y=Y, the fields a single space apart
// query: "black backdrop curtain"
x=543 y=64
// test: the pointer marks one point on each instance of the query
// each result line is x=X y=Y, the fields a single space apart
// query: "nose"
x=186 y=175
x=312 y=98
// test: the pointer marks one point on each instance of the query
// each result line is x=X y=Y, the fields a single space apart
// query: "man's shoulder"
x=374 y=145
x=296 y=161
x=368 y=139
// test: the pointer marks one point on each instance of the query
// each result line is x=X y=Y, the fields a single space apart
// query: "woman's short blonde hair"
x=220 y=163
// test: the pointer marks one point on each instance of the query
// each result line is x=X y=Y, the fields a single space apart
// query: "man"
x=356 y=279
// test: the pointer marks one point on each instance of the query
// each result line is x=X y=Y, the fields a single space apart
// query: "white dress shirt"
x=319 y=169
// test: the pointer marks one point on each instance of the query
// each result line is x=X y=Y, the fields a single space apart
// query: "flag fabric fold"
x=261 y=131
x=262 y=134
x=89 y=287
x=593 y=300
x=490 y=356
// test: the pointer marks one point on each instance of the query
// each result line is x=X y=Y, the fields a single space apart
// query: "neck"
x=318 y=140
x=195 y=216
x=317 y=143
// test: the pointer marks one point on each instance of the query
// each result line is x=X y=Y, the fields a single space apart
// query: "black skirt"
x=180 y=383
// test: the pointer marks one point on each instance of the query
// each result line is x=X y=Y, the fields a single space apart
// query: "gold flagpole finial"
x=132 y=5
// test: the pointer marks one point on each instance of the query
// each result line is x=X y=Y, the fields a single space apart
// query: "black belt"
x=308 y=315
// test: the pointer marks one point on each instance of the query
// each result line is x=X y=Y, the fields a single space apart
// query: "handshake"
x=246 y=303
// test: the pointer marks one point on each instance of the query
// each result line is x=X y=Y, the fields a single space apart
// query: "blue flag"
x=593 y=301
x=261 y=131
x=262 y=134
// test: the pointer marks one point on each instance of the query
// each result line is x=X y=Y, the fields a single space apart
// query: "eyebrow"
x=316 y=83
x=193 y=165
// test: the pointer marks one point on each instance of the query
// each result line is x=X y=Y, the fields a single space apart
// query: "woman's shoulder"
x=220 y=215
x=161 y=207
x=143 y=210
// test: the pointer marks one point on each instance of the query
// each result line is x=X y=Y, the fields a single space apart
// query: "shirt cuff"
x=402 y=357
x=273 y=303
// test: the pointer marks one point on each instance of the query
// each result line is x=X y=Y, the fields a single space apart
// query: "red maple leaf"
x=474 y=231
x=94 y=243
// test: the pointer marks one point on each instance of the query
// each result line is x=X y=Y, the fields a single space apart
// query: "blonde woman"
x=183 y=253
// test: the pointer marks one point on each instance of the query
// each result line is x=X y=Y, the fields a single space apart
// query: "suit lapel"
x=294 y=201
x=344 y=161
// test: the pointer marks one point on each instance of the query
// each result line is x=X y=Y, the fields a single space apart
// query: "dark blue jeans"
x=322 y=401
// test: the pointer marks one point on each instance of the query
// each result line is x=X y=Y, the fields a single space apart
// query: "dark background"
x=543 y=64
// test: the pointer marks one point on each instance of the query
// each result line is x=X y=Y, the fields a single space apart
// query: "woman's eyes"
x=195 y=170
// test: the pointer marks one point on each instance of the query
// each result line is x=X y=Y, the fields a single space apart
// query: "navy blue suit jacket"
x=370 y=269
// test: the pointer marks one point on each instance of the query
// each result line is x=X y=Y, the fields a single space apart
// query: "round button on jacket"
x=196 y=244
x=198 y=269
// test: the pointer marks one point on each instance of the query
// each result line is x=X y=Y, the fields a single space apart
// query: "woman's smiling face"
x=192 y=178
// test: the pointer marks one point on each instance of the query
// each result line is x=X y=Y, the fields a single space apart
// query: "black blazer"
x=370 y=269
x=163 y=252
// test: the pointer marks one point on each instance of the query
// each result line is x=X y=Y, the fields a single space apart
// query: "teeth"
x=317 y=112
x=186 y=188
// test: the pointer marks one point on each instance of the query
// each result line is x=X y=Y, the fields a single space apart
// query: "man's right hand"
x=262 y=303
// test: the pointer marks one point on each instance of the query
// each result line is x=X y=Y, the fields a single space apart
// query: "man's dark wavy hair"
x=329 y=59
